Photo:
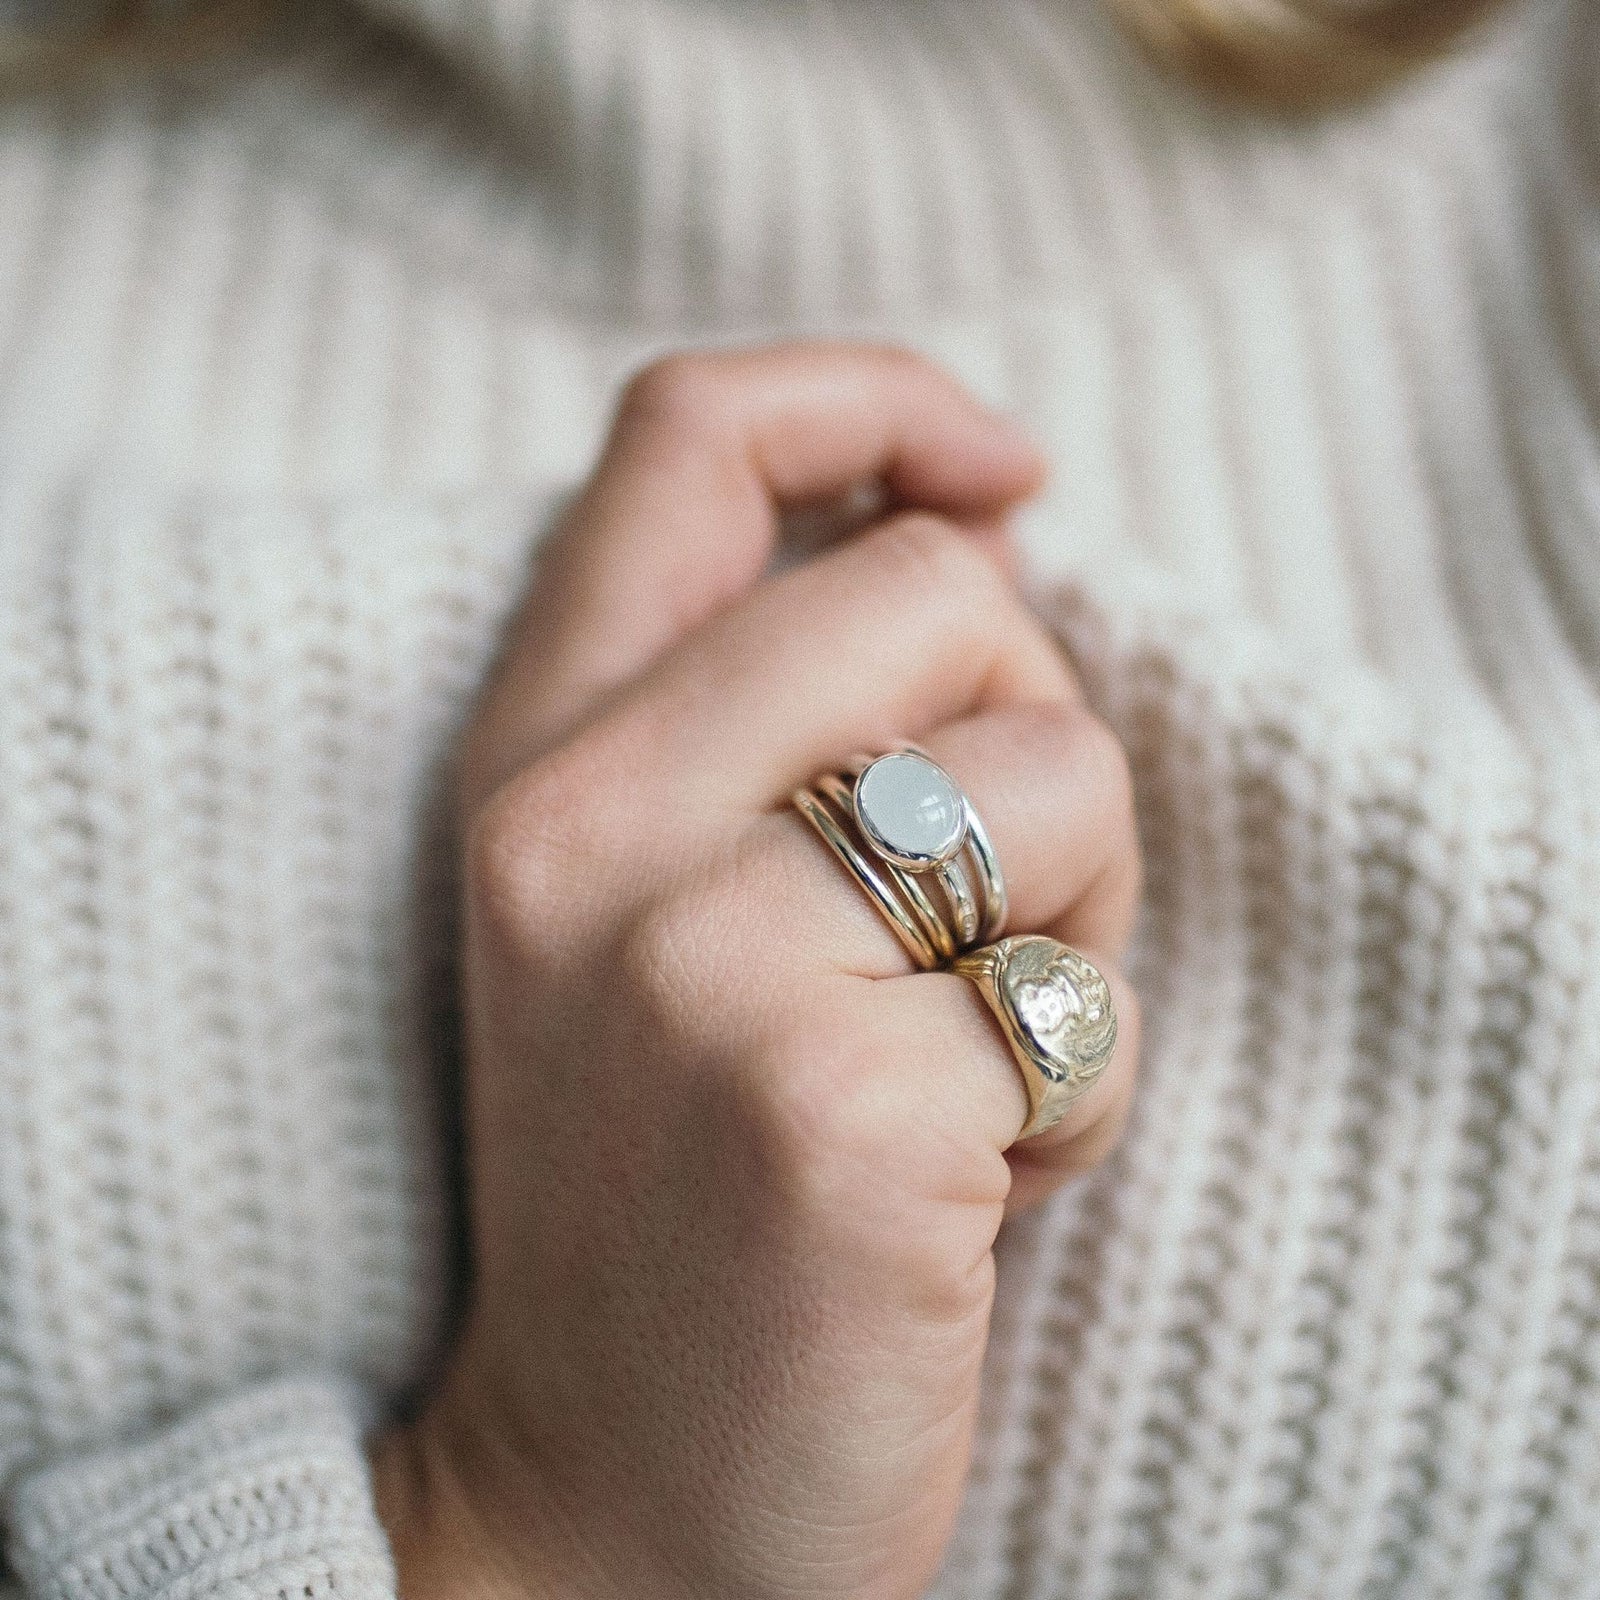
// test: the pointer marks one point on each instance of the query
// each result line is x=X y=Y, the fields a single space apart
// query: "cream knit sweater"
x=296 y=352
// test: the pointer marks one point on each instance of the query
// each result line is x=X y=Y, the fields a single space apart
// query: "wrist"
x=445 y=1541
x=437 y=1554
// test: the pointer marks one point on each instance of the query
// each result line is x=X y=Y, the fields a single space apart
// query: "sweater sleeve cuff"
x=264 y=1494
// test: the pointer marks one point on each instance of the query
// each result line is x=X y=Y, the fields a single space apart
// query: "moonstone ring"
x=1055 y=1009
x=911 y=839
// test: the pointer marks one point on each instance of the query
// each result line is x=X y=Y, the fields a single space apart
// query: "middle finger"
x=898 y=632
x=1050 y=784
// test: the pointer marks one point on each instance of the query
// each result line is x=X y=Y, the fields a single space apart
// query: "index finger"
x=681 y=515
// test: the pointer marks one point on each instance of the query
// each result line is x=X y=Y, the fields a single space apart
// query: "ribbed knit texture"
x=294 y=354
x=266 y=1494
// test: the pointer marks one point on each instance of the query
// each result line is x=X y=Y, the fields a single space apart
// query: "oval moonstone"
x=910 y=810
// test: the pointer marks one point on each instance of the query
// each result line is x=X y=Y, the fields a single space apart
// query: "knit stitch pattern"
x=263 y=1494
x=299 y=351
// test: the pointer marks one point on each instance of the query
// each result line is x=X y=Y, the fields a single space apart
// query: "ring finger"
x=968 y=1080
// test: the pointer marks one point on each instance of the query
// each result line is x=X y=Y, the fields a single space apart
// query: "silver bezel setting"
x=890 y=849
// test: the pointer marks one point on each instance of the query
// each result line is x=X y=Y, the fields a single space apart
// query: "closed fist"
x=736 y=1168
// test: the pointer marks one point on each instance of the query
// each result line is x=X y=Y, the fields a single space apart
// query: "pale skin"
x=736 y=1168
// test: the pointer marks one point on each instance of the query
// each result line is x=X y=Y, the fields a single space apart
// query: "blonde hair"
x=1286 y=53
x=1300 y=53
x=70 y=35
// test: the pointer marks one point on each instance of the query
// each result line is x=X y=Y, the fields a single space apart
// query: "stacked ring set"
x=903 y=829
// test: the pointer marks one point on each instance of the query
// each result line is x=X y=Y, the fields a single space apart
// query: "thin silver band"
x=938 y=932
x=908 y=928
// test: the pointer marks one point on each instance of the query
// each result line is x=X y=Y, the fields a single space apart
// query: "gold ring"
x=896 y=819
x=1056 y=1012
x=908 y=927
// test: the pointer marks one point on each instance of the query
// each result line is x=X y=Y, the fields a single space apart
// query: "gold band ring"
x=908 y=928
x=1055 y=1009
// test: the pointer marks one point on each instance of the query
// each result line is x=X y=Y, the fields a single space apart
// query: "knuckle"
x=904 y=363
x=926 y=560
x=498 y=862
x=1089 y=770
x=658 y=953
x=1095 y=746
x=678 y=393
x=527 y=846
x=682 y=958
x=1099 y=749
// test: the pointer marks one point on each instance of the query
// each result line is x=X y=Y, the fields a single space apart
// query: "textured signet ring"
x=903 y=829
x=1056 y=1012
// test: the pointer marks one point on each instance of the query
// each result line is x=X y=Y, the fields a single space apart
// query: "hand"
x=736 y=1170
